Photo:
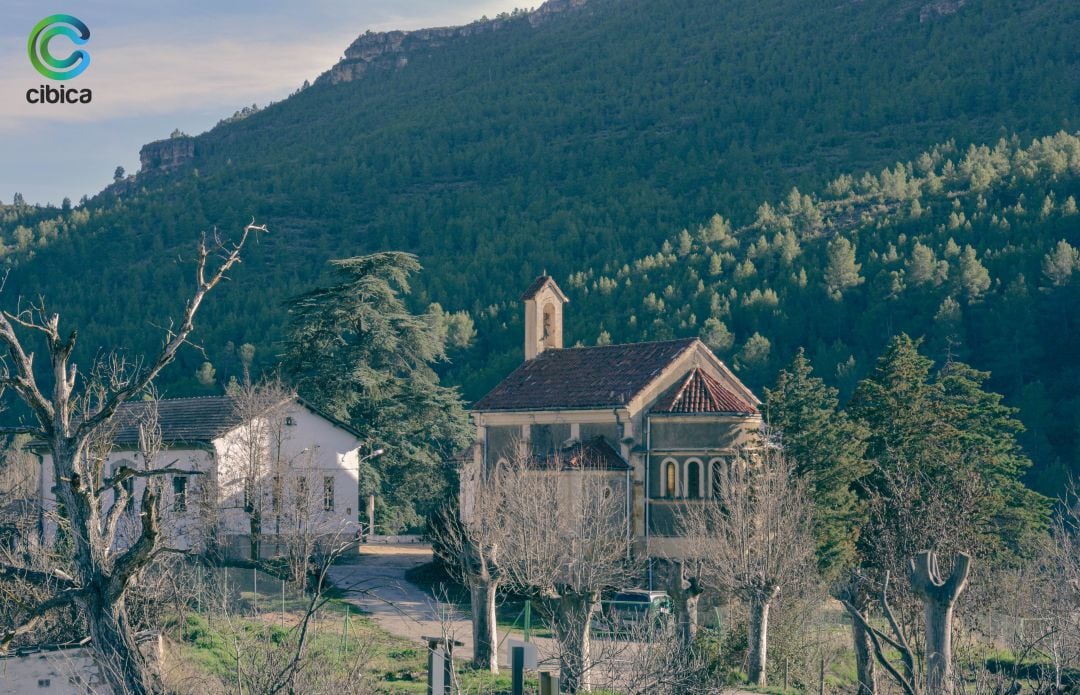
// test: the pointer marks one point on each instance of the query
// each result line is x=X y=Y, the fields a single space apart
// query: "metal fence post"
x=517 y=671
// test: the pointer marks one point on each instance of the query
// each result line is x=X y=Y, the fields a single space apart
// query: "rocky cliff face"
x=391 y=49
x=166 y=155
x=940 y=8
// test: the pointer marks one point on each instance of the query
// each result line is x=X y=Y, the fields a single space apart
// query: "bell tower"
x=543 y=316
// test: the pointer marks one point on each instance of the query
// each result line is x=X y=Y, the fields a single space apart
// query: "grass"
x=205 y=640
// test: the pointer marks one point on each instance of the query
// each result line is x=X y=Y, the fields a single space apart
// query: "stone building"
x=663 y=416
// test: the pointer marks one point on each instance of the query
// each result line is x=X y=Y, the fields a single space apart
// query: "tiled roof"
x=182 y=419
x=701 y=393
x=538 y=284
x=594 y=377
x=595 y=454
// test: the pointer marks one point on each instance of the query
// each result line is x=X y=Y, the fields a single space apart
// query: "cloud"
x=203 y=59
x=160 y=65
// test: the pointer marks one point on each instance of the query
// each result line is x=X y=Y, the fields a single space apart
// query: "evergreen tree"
x=357 y=352
x=828 y=447
x=716 y=335
x=1059 y=264
x=945 y=444
x=753 y=358
x=974 y=278
x=922 y=267
x=842 y=271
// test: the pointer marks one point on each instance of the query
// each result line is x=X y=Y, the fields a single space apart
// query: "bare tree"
x=562 y=539
x=939 y=595
x=754 y=538
x=284 y=664
x=1047 y=625
x=469 y=548
x=261 y=464
x=67 y=417
x=1060 y=607
x=647 y=656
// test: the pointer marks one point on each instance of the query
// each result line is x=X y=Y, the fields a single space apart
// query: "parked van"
x=637 y=608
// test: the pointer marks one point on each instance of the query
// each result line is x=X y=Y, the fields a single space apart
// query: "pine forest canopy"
x=583 y=145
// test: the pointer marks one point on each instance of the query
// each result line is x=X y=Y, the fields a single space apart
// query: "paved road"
x=377 y=585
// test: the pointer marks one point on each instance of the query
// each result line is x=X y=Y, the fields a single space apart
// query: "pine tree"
x=974 y=278
x=922 y=267
x=753 y=358
x=842 y=272
x=828 y=447
x=716 y=335
x=947 y=445
x=357 y=352
x=1059 y=264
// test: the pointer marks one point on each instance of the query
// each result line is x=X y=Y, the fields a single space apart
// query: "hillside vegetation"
x=978 y=250
x=580 y=143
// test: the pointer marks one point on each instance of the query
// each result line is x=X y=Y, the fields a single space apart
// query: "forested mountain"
x=579 y=141
x=976 y=250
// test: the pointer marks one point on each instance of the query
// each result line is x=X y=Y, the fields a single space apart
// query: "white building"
x=296 y=467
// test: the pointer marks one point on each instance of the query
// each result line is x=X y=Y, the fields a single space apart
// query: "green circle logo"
x=44 y=61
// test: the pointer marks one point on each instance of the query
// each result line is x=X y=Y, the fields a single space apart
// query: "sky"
x=167 y=64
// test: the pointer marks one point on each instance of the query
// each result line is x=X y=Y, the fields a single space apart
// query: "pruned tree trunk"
x=760 y=604
x=685 y=591
x=865 y=672
x=485 y=632
x=112 y=637
x=939 y=598
x=74 y=419
x=573 y=627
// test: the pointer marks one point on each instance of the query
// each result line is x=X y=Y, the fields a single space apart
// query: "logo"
x=58 y=68
x=44 y=61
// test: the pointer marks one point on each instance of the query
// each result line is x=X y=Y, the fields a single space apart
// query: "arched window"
x=717 y=471
x=548 y=336
x=693 y=485
x=693 y=479
x=671 y=478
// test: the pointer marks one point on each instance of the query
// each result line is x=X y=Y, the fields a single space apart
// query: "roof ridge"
x=183 y=398
x=686 y=384
x=619 y=345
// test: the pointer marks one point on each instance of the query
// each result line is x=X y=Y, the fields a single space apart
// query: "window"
x=549 y=325
x=129 y=487
x=127 y=484
x=693 y=479
x=179 y=488
x=328 y=493
x=671 y=487
x=301 y=492
x=717 y=471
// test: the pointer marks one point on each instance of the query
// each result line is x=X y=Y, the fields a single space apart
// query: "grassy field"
x=205 y=641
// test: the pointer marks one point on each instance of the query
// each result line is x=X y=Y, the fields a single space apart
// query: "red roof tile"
x=701 y=393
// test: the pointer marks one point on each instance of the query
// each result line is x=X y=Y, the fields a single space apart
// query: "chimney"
x=543 y=316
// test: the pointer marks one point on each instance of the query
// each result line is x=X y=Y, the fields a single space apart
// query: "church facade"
x=660 y=418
